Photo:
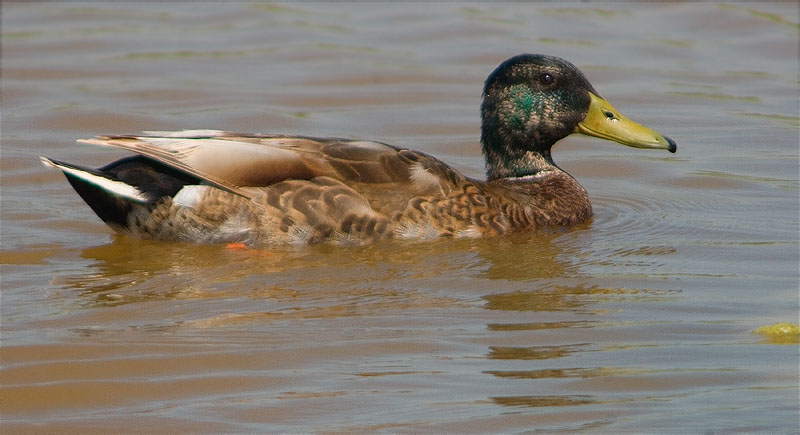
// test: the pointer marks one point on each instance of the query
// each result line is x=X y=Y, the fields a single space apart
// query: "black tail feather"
x=115 y=189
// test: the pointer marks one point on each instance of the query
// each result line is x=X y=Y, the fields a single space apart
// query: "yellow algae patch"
x=780 y=333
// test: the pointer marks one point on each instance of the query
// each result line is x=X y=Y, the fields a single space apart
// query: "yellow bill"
x=604 y=121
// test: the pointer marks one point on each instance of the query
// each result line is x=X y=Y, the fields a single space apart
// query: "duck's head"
x=531 y=101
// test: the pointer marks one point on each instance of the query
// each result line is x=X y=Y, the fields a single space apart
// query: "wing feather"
x=232 y=161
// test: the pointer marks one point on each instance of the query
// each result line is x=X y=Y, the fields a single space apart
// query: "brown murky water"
x=642 y=320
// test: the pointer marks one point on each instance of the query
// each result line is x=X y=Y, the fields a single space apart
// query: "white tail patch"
x=113 y=187
x=190 y=195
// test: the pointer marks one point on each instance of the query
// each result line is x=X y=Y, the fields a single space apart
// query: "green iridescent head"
x=531 y=101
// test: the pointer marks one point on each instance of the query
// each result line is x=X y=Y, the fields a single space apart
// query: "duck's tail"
x=98 y=179
x=110 y=198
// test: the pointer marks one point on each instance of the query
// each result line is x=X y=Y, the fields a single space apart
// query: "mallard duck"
x=211 y=186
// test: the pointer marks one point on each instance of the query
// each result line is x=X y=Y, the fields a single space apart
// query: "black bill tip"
x=672 y=145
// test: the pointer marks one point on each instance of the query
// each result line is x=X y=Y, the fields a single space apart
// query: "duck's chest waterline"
x=549 y=198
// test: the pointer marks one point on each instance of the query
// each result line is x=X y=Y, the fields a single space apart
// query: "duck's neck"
x=517 y=163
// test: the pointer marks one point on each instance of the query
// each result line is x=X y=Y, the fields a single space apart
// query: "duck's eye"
x=546 y=79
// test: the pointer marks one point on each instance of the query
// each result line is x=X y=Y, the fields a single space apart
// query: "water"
x=641 y=320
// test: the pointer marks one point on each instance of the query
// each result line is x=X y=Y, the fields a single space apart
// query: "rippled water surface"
x=643 y=319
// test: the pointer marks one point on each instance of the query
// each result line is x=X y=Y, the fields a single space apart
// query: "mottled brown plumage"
x=212 y=186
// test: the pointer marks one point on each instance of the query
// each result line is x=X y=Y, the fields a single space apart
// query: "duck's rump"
x=113 y=190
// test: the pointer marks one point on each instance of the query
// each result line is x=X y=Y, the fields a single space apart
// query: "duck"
x=213 y=186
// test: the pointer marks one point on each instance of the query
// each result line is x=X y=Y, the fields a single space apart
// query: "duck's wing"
x=231 y=161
